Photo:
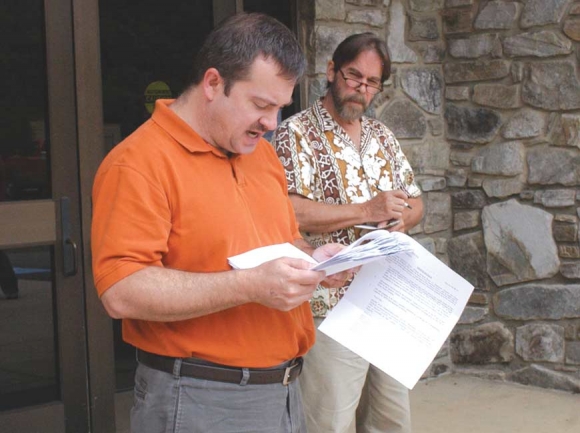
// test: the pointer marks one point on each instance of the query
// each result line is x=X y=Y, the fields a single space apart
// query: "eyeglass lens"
x=354 y=84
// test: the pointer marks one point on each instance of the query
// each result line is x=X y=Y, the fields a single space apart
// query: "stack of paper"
x=368 y=248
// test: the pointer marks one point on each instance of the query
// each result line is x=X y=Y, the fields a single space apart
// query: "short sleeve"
x=297 y=158
x=130 y=227
x=403 y=175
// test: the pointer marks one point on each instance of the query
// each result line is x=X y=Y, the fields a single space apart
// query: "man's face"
x=241 y=118
x=351 y=103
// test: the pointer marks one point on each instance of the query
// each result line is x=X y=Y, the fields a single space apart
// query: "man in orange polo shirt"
x=218 y=350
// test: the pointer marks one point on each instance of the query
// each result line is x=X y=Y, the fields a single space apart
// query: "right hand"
x=284 y=283
x=386 y=206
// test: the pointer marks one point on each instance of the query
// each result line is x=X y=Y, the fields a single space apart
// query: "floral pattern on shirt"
x=322 y=164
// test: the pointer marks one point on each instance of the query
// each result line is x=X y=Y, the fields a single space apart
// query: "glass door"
x=43 y=361
x=78 y=76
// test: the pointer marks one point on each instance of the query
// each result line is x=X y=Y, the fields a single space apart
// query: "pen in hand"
x=407 y=205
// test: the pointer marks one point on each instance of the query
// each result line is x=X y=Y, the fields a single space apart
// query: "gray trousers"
x=167 y=403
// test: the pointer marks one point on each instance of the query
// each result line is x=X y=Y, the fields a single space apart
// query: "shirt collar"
x=323 y=117
x=325 y=120
x=179 y=129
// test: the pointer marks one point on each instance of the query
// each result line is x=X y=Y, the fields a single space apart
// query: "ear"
x=330 y=73
x=212 y=83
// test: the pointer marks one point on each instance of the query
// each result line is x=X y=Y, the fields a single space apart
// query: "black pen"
x=407 y=205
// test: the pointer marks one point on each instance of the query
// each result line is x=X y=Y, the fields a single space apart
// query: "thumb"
x=333 y=248
x=298 y=263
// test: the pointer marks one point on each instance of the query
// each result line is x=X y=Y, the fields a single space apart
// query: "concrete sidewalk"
x=464 y=404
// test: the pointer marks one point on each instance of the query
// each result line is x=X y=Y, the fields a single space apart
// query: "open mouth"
x=254 y=134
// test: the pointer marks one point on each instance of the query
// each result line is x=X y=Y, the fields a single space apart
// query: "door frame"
x=91 y=148
x=40 y=225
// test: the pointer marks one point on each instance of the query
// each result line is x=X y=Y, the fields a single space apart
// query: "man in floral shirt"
x=345 y=169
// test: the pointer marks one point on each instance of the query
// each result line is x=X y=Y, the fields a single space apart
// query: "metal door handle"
x=69 y=247
x=71 y=269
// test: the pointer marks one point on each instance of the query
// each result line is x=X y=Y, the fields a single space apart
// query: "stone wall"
x=485 y=99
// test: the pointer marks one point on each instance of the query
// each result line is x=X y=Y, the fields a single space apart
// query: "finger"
x=395 y=216
x=307 y=278
x=399 y=228
x=297 y=263
x=300 y=291
x=296 y=302
x=338 y=280
x=397 y=203
x=395 y=228
x=400 y=194
x=344 y=275
x=327 y=251
x=333 y=248
x=382 y=224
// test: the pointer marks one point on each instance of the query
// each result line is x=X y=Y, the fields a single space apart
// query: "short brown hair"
x=351 y=47
x=234 y=44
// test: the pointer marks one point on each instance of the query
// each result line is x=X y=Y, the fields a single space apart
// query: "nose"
x=360 y=88
x=270 y=121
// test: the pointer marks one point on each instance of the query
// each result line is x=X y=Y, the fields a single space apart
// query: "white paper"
x=261 y=255
x=399 y=310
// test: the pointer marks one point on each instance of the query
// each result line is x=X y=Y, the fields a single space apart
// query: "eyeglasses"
x=373 y=89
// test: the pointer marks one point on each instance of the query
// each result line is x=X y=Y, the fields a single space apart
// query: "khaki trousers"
x=342 y=393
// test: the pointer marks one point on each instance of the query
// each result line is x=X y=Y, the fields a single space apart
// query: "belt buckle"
x=288 y=372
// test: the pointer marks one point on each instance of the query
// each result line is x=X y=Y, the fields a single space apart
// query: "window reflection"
x=144 y=57
x=28 y=360
x=24 y=153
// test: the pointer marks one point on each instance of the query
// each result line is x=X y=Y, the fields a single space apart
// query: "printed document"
x=399 y=310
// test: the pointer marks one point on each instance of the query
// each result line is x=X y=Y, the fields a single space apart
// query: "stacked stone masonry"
x=485 y=100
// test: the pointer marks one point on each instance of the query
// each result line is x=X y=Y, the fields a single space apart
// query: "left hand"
x=339 y=279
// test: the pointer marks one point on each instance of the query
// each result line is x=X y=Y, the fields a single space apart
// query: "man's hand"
x=339 y=279
x=386 y=206
x=412 y=215
x=284 y=283
x=327 y=251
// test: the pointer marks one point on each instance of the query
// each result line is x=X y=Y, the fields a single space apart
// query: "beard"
x=344 y=106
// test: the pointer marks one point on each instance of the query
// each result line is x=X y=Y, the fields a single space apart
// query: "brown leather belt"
x=219 y=373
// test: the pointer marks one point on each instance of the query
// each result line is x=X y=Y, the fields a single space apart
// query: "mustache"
x=258 y=127
x=356 y=98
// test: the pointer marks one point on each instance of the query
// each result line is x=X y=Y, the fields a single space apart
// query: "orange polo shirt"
x=164 y=197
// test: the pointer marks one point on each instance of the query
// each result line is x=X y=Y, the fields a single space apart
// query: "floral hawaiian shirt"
x=323 y=164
